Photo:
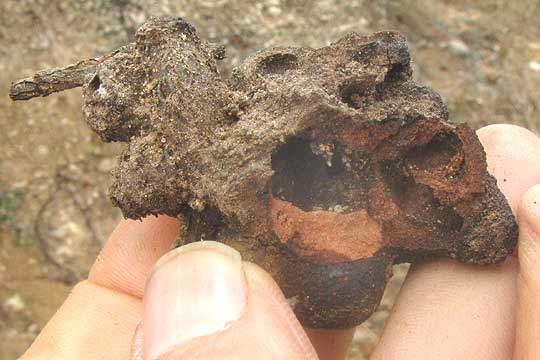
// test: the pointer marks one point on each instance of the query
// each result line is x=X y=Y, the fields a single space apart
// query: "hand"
x=201 y=301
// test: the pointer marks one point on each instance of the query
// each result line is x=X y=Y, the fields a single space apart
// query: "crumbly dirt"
x=484 y=59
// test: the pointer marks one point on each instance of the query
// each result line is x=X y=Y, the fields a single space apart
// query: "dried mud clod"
x=324 y=166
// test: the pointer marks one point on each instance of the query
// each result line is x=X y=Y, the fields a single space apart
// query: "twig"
x=46 y=82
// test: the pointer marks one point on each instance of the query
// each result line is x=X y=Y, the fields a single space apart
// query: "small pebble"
x=534 y=65
x=14 y=303
x=42 y=150
x=32 y=328
x=458 y=47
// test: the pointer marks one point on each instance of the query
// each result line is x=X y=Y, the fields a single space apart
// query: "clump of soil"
x=331 y=163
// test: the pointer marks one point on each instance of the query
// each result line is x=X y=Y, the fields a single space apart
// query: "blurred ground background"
x=482 y=56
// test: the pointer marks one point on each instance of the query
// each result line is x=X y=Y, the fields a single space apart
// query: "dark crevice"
x=205 y=225
x=417 y=201
x=317 y=177
x=435 y=154
x=354 y=93
x=95 y=83
x=440 y=157
x=278 y=63
x=396 y=73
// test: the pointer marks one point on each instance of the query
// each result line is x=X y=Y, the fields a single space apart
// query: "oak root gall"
x=324 y=166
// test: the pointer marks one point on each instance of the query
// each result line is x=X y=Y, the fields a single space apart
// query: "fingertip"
x=529 y=237
x=191 y=309
x=130 y=252
x=529 y=209
x=512 y=155
x=501 y=129
x=193 y=291
x=495 y=135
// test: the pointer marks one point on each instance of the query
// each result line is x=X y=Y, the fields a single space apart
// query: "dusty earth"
x=484 y=59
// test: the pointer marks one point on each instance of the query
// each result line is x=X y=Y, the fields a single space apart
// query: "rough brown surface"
x=482 y=57
x=297 y=139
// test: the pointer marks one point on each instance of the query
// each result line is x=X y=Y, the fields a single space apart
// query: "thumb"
x=202 y=302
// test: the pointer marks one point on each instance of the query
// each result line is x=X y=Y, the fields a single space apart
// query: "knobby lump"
x=324 y=166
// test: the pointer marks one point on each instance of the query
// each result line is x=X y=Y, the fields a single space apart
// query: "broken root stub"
x=324 y=166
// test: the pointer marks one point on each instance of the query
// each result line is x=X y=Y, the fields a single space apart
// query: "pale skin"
x=445 y=310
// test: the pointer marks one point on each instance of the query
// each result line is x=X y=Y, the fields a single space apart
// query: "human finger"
x=203 y=302
x=132 y=249
x=330 y=344
x=513 y=155
x=93 y=323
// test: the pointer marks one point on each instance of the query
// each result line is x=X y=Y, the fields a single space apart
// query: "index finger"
x=132 y=249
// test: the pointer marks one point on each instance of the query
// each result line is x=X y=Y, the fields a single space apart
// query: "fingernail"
x=195 y=290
